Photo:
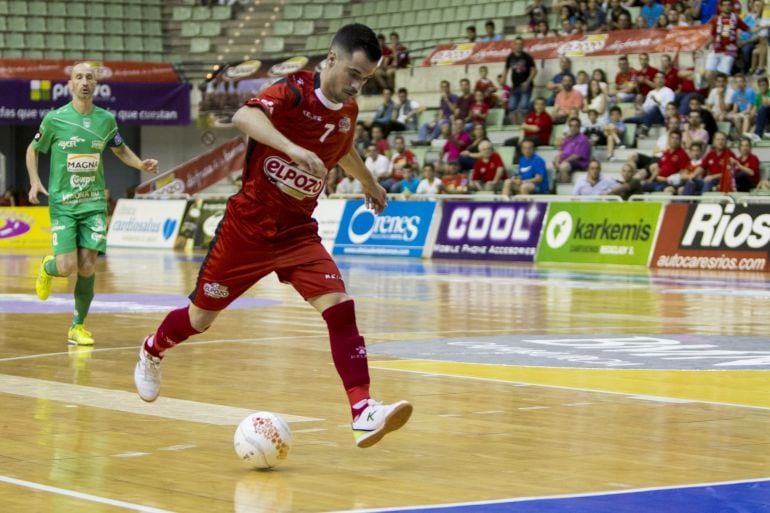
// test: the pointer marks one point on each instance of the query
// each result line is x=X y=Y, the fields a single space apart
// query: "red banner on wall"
x=683 y=39
x=204 y=170
x=110 y=71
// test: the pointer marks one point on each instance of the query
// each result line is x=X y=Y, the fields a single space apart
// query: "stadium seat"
x=3 y=27
x=96 y=26
x=211 y=28
x=421 y=18
x=38 y=8
x=357 y=10
x=133 y=12
x=57 y=9
x=292 y=12
x=506 y=154
x=36 y=41
x=315 y=12
x=495 y=118
x=330 y=11
x=76 y=42
x=18 y=23
x=221 y=12
x=283 y=27
x=36 y=24
x=94 y=42
x=4 y=7
x=114 y=26
x=273 y=44
x=420 y=152
x=18 y=7
x=154 y=44
x=180 y=13
x=134 y=43
x=629 y=137
x=97 y=10
x=200 y=45
x=190 y=29
x=303 y=28
x=76 y=26
x=76 y=9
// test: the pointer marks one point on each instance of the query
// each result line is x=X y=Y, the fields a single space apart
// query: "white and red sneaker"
x=377 y=420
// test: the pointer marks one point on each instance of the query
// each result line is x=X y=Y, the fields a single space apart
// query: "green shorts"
x=72 y=231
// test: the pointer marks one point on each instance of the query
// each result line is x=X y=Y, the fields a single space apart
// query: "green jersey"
x=76 y=143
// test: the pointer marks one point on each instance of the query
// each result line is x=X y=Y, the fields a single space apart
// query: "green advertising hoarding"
x=599 y=233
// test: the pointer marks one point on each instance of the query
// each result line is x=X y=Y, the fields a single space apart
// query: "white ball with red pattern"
x=262 y=440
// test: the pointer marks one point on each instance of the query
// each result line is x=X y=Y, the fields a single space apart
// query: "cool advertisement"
x=401 y=230
x=490 y=231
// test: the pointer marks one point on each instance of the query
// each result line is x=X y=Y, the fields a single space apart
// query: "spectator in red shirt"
x=626 y=87
x=385 y=74
x=454 y=181
x=537 y=127
x=645 y=77
x=487 y=87
x=400 y=52
x=378 y=139
x=478 y=111
x=401 y=158
x=664 y=175
x=719 y=166
x=489 y=171
x=746 y=167
x=724 y=36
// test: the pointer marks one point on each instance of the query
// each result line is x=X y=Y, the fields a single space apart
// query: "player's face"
x=82 y=81
x=348 y=74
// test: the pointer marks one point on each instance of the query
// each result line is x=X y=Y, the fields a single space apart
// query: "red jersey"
x=649 y=74
x=724 y=29
x=277 y=198
x=403 y=158
x=673 y=81
x=751 y=161
x=486 y=171
x=622 y=79
x=719 y=164
x=543 y=121
x=478 y=112
x=671 y=162
x=484 y=85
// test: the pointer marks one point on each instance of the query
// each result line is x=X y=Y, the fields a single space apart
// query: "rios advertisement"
x=401 y=230
x=714 y=237
x=490 y=231
x=601 y=233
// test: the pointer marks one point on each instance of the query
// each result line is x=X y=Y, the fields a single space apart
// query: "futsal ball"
x=262 y=440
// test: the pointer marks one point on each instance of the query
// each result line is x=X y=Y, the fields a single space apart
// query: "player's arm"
x=129 y=158
x=376 y=197
x=35 y=185
x=254 y=123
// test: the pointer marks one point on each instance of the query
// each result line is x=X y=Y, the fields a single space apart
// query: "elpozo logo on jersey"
x=83 y=162
x=401 y=230
x=291 y=179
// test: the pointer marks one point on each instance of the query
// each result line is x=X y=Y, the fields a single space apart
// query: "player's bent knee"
x=201 y=319
x=325 y=301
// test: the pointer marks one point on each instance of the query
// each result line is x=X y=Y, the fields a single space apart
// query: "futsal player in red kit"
x=298 y=128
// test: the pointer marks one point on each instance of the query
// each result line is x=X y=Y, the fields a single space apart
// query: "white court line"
x=627 y=395
x=84 y=496
x=129 y=402
x=552 y=497
x=378 y=337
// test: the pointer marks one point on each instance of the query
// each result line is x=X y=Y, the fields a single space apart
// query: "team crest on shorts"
x=215 y=290
x=345 y=124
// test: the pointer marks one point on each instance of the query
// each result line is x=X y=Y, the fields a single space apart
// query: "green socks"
x=84 y=293
x=50 y=268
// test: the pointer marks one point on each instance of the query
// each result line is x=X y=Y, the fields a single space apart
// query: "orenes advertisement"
x=401 y=230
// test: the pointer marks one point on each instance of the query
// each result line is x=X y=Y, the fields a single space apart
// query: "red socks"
x=174 y=329
x=349 y=353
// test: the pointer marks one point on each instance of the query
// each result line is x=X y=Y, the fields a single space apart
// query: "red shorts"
x=235 y=262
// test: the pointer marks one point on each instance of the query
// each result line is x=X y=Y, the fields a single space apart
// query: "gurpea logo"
x=559 y=229
x=168 y=228
x=364 y=224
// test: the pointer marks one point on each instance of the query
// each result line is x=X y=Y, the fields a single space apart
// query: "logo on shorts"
x=215 y=290
x=81 y=162
x=345 y=124
x=292 y=180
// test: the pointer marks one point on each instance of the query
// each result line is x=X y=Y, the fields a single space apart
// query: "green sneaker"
x=43 y=283
x=379 y=419
x=80 y=336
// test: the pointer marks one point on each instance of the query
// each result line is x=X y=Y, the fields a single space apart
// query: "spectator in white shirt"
x=654 y=107
x=377 y=163
x=430 y=185
x=349 y=185
x=593 y=183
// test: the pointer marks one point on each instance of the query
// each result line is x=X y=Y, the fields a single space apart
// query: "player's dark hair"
x=356 y=36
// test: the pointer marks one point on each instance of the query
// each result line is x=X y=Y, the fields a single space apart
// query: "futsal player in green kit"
x=76 y=135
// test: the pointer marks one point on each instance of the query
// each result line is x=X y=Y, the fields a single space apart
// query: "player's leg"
x=64 y=260
x=233 y=264
x=316 y=277
x=84 y=294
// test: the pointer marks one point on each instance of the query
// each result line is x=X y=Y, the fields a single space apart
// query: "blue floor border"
x=750 y=496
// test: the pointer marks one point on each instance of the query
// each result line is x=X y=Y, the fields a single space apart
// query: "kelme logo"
x=559 y=229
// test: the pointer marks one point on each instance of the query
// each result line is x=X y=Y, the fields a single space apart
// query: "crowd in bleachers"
x=705 y=119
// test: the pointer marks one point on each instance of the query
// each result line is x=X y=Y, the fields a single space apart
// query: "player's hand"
x=35 y=189
x=376 y=198
x=150 y=165
x=307 y=160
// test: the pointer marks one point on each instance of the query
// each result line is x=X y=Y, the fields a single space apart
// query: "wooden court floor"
x=465 y=342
